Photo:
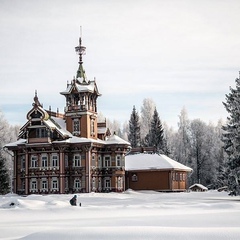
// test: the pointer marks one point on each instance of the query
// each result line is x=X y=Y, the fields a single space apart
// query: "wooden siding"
x=149 y=180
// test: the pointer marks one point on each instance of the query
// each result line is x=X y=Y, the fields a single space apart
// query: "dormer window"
x=41 y=133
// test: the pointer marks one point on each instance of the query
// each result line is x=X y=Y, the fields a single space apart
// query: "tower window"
x=92 y=127
x=76 y=126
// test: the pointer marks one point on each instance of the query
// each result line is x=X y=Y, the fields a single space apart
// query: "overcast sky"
x=179 y=53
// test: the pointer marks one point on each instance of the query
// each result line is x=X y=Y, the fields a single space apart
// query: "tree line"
x=212 y=151
x=8 y=134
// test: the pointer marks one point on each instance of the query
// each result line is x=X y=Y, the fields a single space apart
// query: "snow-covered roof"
x=75 y=139
x=89 y=86
x=199 y=186
x=58 y=124
x=15 y=144
x=144 y=161
x=114 y=139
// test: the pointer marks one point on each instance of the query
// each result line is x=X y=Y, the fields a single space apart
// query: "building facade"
x=69 y=152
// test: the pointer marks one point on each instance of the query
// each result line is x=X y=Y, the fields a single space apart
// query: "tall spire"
x=81 y=50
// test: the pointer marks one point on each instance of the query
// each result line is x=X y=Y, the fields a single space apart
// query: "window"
x=77 y=160
x=34 y=161
x=93 y=184
x=55 y=160
x=119 y=183
x=66 y=184
x=107 y=161
x=99 y=184
x=76 y=126
x=177 y=177
x=44 y=184
x=118 y=161
x=23 y=184
x=54 y=184
x=41 y=133
x=66 y=160
x=181 y=177
x=93 y=160
x=184 y=176
x=77 y=184
x=92 y=128
x=44 y=161
x=33 y=184
x=99 y=161
x=23 y=162
x=134 y=178
x=107 y=184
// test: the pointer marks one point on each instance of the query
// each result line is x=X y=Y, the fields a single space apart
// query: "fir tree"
x=231 y=136
x=134 y=129
x=155 y=137
x=4 y=177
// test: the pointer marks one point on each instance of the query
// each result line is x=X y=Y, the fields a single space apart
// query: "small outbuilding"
x=197 y=187
x=152 y=171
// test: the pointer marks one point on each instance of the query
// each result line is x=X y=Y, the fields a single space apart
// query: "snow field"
x=129 y=215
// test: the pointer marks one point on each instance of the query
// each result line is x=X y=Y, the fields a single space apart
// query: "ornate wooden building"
x=70 y=152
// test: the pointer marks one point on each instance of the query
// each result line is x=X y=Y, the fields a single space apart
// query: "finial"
x=36 y=101
x=80 y=50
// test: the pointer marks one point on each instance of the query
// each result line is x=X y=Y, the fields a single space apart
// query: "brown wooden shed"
x=146 y=171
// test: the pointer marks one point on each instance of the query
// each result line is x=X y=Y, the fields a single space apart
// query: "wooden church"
x=70 y=152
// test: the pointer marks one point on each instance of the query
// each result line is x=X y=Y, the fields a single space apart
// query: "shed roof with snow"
x=146 y=161
x=198 y=187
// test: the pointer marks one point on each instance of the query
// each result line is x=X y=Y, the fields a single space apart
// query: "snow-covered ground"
x=130 y=215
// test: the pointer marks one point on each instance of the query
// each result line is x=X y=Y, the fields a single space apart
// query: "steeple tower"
x=81 y=101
